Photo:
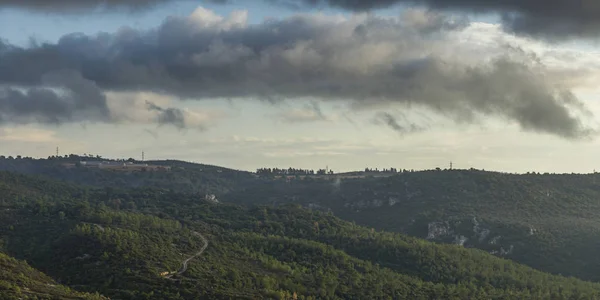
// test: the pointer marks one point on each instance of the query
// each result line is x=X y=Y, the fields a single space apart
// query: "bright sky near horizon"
x=251 y=84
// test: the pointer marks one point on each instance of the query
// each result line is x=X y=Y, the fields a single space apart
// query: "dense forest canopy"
x=118 y=242
x=147 y=222
x=548 y=221
x=20 y=281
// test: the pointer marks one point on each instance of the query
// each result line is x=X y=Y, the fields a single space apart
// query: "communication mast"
x=450 y=165
x=142 y=155
x=56 y=151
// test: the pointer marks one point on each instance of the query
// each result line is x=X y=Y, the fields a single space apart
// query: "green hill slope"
x=188 y=177
x=550 y=222
x=119 y=243
x=19 y=281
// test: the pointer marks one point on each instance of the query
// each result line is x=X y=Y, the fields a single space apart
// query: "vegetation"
x=19 y=281
x=183 y=176
x=548 y=221
x=291 y=171
x=117 y=242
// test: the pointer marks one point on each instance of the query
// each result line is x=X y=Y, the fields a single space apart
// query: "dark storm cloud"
x=549 y=19
x=366 y=61
x=65 y=97
x=168 y=116
x=552 y=19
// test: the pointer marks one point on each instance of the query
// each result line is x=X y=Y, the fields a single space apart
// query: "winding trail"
x=184 y=264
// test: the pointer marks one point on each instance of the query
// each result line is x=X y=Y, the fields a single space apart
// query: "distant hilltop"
x=293 y=173
x=118 y=166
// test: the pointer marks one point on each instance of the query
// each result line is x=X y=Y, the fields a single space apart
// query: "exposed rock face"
x=481 y=233
x=532 y=231
x=441 y=231
x=460 y=240
x=503 y=252
x=211 y=198
x=466 y=232
x=437 y=230
x=469 y=233
x=495 y=240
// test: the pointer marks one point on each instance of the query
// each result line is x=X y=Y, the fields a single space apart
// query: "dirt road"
x=184 y=265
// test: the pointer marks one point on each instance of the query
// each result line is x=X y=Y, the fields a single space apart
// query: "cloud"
x=552 y=19
x=163 y=110
x=173 y=116
x=392 y=122
x=64 y=96
x=362 y=60
x=79 y=6
x=310 y=112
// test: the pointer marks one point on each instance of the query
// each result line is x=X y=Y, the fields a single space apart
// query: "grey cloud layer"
x=368 y=61
x=64 y=96
x=71 y=99
x=548 y=19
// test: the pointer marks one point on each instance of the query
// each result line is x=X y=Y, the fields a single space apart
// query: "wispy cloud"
x=400 y=126
x=310 y=112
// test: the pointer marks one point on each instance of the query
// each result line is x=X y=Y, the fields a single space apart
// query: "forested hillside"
x=548 y=221
x=19 y=281
x=184 y=177
x=118 y=242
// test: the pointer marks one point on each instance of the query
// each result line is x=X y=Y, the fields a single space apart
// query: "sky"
x=345 y=84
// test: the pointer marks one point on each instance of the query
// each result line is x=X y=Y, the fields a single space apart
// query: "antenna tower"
x=56 y=151
x=142 y=155
x=450 y=165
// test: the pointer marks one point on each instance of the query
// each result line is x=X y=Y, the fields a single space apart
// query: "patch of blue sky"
x=19 y=27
